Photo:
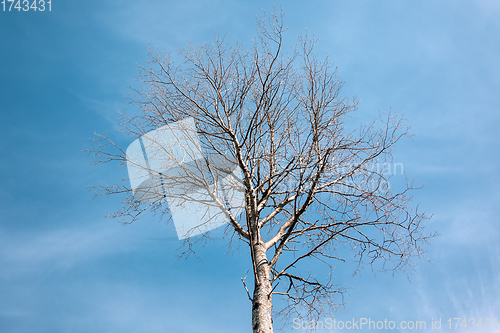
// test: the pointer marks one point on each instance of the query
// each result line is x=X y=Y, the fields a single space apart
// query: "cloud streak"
x=23 y=253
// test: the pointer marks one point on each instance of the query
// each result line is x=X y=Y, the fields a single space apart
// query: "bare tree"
x=272 y=124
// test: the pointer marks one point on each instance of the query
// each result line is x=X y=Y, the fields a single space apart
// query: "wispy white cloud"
x=25 y=252
x=461 y=289
x=489 y=7
x=470 y=222
x=169 y=22
x=128 y=308
x=106 y=109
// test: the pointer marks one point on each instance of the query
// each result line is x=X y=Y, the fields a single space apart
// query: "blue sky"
x=66 y=268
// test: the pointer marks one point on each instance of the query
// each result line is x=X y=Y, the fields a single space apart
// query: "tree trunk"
x=262 y=306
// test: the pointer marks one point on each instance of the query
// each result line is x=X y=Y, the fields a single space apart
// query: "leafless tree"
x=307 y=182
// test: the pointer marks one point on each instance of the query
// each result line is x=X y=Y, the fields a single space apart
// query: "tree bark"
x=262 y=306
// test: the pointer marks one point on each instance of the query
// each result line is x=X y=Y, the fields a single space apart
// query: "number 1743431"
x=26 y=5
